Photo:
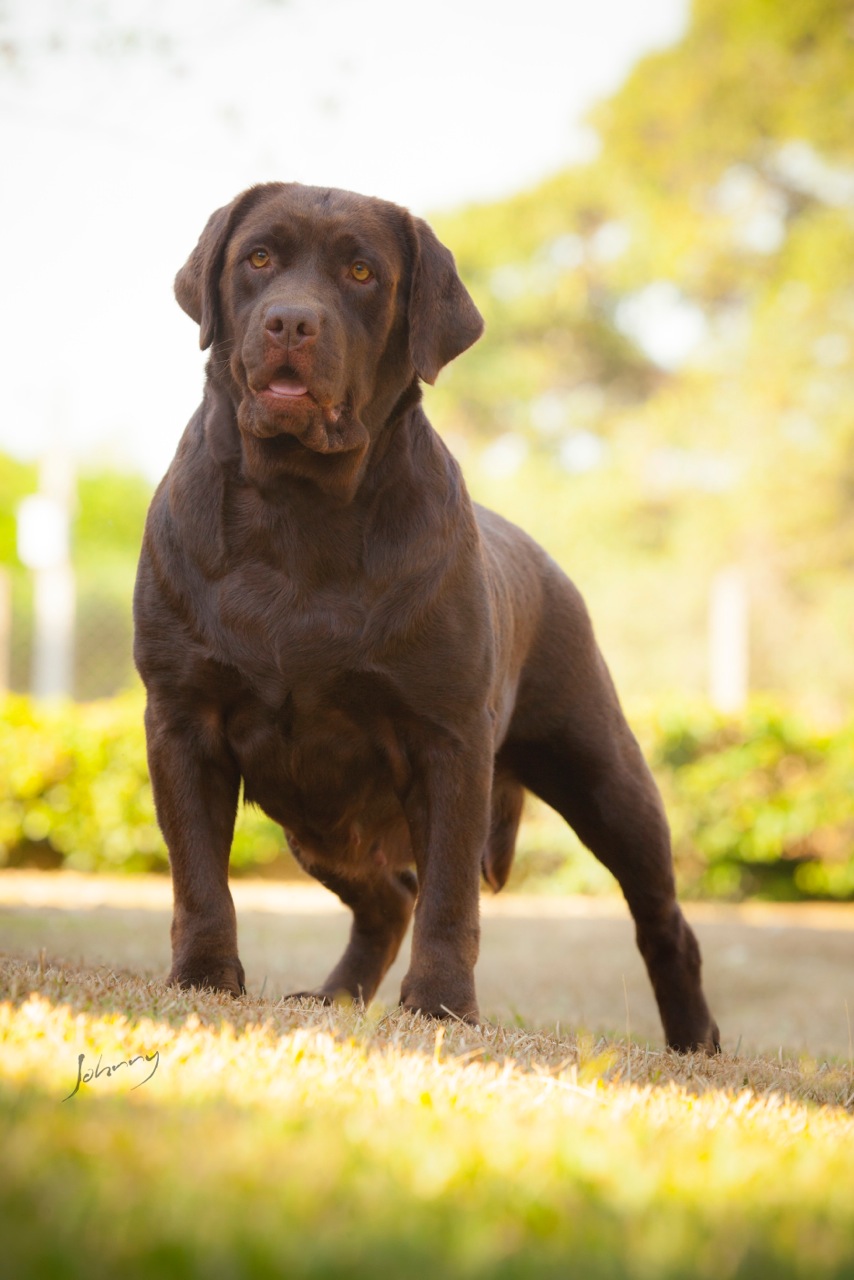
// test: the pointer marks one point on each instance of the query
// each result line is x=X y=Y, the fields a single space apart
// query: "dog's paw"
x=211 y=975
x=441 y=1012
x=320 y=996
x=458 y=1004
x=709 y=1042
x=712 y=1042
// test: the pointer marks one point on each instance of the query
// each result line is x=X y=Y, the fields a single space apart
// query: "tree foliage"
x=685 y=303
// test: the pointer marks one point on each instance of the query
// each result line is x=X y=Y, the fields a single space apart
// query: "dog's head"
x=322 y=307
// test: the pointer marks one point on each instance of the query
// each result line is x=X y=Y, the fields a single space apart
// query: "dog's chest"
x=265 y=619
x=328 y=764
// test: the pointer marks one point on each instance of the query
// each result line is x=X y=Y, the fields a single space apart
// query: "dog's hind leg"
x=508 y=797
x=382 y=906
x=599 y=782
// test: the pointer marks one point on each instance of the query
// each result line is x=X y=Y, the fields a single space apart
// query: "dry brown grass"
x=780 y=979
x=282 y=1137
x=574 y=1060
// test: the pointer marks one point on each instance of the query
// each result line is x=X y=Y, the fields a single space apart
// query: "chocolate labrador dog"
x=323 y=613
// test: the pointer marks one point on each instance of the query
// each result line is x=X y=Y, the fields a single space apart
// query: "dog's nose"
x=292 y=326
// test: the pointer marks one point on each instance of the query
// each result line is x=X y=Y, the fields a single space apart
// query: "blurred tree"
x=112 y=509
x=674 y=324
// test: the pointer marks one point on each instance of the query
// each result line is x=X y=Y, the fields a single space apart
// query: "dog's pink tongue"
x=287 y=387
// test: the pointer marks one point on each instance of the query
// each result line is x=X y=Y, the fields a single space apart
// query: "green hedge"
x=74 y=792
x=760 y=806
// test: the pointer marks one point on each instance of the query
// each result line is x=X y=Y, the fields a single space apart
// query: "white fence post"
x=44 y=521
x=729 y=640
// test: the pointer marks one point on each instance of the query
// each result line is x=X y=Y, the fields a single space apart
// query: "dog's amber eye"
x=361 y=271
x=259 y=257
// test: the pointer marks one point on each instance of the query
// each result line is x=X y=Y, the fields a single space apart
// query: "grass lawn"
x=280 y=1138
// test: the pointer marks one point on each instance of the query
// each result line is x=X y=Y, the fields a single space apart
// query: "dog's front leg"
x=196 y=784
x=448 y=815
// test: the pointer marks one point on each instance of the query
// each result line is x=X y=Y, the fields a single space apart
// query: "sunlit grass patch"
x=298 y=1140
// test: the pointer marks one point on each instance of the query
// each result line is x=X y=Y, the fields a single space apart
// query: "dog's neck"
x=275 y=465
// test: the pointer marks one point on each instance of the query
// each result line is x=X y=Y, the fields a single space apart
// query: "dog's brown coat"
x=322 y=613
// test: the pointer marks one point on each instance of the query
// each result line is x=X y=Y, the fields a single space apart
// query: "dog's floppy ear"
x=443 y=320
x=197 y=283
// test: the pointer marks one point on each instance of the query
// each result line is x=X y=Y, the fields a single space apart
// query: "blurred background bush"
x=760 y=805
x=665 y=392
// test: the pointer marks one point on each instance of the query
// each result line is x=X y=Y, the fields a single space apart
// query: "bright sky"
x=115 y=154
